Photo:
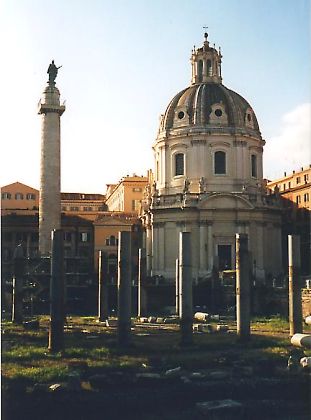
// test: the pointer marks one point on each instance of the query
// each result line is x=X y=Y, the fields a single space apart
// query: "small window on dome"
x=249 y=117
x=218 y=112
x=200 y=70
x=181 y=115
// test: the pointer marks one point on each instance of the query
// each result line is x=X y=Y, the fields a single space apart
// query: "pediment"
x=225 y=201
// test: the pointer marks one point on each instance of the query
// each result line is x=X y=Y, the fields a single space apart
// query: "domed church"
x=208 y=179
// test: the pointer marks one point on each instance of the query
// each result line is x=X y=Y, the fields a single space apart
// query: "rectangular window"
x=284 y=187
x=67 y=236
x=306 y=178
x=84 y=237
x=87 y=208
x=298 y=199
x=306 y=197
x=137 y=189
x=254 y=166
x=179 y=164
x=30 y=196
x=6 y=196
x=220 y=163
x=298 y=180
x=289 y=184
x=135 y=205
x=74 y=208
x=19 y=196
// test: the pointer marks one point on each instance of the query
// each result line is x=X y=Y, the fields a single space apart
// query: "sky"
x=123 y=61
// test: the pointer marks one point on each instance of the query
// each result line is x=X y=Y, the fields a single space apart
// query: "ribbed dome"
x=212 y=105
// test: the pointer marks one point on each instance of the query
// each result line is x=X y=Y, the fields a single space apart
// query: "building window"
x=220 y=163
x=74 y=208
x=67 y=236
x=254 y=165
x=306 y=178
x=84 y=237
x=87 y=208
x=137 y=189
x=200 y=70
x=298 y=199
x=179 y=164
x=30 y=196
x=306 y=197
x=209 y=67
x=289 y=184
x=135 y=205
x=298 y=180
x=284 y=187
x=6 y=196
x=19 y=196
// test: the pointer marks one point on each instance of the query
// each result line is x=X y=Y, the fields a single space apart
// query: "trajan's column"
x=49 y=203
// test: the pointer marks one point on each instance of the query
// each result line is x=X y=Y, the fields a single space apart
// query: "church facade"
x=208 y=180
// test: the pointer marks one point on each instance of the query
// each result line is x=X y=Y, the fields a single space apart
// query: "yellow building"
x=88 y=206
x=295 y=187
x=127 y=195
x=19 y=198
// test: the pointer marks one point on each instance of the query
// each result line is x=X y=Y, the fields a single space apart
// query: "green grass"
x=25 y=356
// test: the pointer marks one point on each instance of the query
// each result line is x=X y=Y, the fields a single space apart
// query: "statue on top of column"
x=52 y=72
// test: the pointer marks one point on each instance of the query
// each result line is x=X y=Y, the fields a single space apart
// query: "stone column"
x=155 y=254
x=185 y=279
x=102 y=286
x=161 y=247
x=57 y=291
x=148 y=250
x=18 y=280
x=141 y=299
x=242 y=287
x=49 y=200
x=210 y=245
x=294 y=287
x=124 y=288
x=203 y=246
x=177 y=293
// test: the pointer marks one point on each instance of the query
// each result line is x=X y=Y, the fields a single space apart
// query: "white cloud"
x=291 y=149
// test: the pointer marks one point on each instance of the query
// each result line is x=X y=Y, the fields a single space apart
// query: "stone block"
x=222 y=328
x=111 y=322
x=220 y=409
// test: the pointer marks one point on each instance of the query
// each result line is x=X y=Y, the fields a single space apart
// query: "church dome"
x=209 y=104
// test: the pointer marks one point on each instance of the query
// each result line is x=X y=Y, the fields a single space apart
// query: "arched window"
x=200 y=70
x=254 y=165
x=179 y=164
x=209 y=67
x=220 y=163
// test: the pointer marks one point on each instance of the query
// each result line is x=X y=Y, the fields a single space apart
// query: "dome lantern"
x=206 y=64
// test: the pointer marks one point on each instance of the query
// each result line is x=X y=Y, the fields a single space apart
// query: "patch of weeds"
x=92 y=353
x=33 y=374
x=18 y=354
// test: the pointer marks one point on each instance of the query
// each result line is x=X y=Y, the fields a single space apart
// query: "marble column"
x=50 y=200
